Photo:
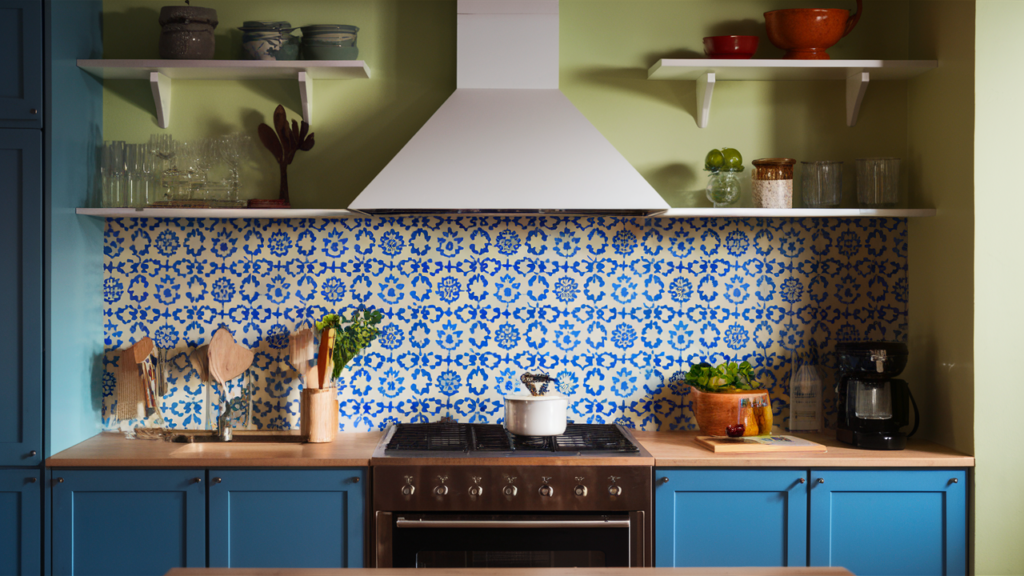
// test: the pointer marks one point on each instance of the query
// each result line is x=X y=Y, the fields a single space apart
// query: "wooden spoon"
x=300 y=351
x=200 y=360
x=325 y=358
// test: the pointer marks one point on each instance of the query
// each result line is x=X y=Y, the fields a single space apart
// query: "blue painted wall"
x=74 y=121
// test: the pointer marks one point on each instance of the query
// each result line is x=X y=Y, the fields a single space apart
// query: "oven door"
x=504 y=540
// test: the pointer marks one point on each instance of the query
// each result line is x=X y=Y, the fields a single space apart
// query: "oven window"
x=504 y=543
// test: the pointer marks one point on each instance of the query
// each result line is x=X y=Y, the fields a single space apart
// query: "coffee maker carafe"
x=872 y=404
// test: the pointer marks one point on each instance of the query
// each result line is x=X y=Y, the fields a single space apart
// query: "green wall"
x=998 y=312
x=606 y=49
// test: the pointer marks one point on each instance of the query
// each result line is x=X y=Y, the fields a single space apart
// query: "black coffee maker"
x=872 y=404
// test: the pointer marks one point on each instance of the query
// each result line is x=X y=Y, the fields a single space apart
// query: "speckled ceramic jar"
x=772 y=181
x=187 y=32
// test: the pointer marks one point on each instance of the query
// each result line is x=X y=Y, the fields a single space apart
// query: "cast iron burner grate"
x=494 y=438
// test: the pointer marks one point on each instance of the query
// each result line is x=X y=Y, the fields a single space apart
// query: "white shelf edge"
x=247 y=213
x=162 y=73
x=229 y=213
x=798 y=213
x=856 y=73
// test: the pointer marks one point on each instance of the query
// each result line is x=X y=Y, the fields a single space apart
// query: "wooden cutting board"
x=759 y=444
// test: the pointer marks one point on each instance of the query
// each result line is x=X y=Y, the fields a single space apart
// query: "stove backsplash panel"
x=617 y=309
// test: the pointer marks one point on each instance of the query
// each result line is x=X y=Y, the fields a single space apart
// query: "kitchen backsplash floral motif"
x=615 y=308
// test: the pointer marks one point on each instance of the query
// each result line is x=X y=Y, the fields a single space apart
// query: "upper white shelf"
x=160 y=73
x=248 y=213
x=856 y=73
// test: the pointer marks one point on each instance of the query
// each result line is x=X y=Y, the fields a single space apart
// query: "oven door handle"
x=403 y=523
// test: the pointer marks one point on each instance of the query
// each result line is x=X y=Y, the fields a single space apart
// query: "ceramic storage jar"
x=186 y=32
x=773 y=182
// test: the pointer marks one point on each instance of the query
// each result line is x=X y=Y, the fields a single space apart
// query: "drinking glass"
x=134 y=180
x=822 y=184
x=112 y=174
x=188 y=155
x=233 y=147
x=878 y=182
x=151 y=169
x=163 y=147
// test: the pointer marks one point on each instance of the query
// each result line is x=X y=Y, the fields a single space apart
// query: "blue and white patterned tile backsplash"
x=613 y=307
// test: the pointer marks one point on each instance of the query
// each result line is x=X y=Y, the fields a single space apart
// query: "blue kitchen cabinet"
x=21 y=301
x=889 y=522
x=21 y=67
x=20 y=517
x=287 y=518
x=730 y=518
x=131 y=522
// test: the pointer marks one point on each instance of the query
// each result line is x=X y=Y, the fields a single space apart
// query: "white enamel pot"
x=527 y=415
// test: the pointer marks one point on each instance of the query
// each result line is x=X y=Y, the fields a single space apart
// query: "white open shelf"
x=161 y=73
x=857 y=74
x=672 y=213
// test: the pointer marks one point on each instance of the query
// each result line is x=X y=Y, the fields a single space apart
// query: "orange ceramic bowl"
x=806 y=33
x=733 y=47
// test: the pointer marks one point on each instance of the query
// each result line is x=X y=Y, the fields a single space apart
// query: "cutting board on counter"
x=759 y=444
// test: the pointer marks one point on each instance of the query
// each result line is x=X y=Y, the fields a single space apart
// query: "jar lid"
x=266 y=25
x=188 y=15
x=774 y=162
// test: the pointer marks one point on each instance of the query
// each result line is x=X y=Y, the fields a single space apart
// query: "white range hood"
x=507 y=140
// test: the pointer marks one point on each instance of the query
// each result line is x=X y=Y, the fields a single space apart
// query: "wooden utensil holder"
x=319 y=414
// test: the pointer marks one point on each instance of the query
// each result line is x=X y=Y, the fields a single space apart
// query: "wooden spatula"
x=228 y=359
x=141 y=350
x=300 y=351
x=325 y=357
x=200 y=360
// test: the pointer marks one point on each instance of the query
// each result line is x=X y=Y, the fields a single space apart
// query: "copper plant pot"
x=716 y=410
x=805 y=33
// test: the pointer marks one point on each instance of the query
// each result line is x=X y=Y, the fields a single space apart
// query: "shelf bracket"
x=306 y=94
x=161 y=86
x=705 y=89
x=856 y=86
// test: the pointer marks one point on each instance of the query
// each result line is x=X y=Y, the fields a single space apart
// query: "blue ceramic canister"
x=269 y=40
x=333 y=34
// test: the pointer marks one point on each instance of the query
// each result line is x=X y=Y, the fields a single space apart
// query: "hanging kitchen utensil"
x=130 y=393
x=200 y=361
x=141 y=349
x=325 y=358
x=228 y=359
x=300 y=352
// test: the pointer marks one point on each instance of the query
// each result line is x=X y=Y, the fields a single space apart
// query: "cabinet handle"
x=801 y=480
x=60 y=480
x=32 y=453
x=33 y=111
x=197 y=480
x=954 y=480
x=217 y=480
x=821 y=480
x=355 y=480
x=663 y=480
x=31 y=480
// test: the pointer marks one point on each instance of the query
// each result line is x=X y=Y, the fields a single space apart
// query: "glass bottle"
x=724 y=188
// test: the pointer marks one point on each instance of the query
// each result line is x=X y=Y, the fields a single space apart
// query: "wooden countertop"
x=112 y=450
x=750 y=571
x=679 y=449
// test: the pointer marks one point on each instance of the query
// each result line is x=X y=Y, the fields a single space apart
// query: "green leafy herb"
x=725 y=377
x=352 y=335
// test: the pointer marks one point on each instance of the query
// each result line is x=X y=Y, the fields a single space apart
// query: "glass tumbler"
x=112 y=173
x=822 y=184
x=878 y=182
x=134 y=177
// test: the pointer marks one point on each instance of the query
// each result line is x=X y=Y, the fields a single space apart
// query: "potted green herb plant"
x=728 y=400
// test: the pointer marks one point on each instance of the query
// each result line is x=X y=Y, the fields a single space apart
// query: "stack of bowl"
x=329 y=42
x=269 y=41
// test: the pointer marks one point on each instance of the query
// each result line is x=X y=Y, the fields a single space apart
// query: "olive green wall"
x=998 y=308
x=606 y=49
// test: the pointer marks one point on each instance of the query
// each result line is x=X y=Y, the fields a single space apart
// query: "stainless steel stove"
x=473 y=495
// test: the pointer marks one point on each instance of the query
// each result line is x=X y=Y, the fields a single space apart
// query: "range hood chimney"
x=507 y=140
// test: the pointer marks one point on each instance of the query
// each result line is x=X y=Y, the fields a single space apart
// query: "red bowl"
x=737 y=47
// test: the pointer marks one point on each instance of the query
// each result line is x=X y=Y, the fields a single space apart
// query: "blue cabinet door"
x=21 y=67
x=20 y=515
x=131 y=522
x=730 y=518
x=286 y=518
x=21 y=304
x=890 y=522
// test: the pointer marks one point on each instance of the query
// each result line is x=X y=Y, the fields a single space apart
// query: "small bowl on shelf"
x=730 y=47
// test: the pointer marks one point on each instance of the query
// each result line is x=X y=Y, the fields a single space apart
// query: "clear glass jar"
x=724 y=189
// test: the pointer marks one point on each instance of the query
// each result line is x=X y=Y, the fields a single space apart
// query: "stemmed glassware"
x=232 y=148
x=112 y=174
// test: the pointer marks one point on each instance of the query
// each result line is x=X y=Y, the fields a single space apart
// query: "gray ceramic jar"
x=187 y=32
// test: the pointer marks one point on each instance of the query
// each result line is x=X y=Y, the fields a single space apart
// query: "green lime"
x=733 y=160
x=714 y=160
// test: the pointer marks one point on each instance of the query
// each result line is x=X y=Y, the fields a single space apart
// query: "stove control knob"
x=546 y=491
x=408 y=489
x=614 y=490
x=440 y=490
x=510 y=490
x=476 y=491
x=580 y=491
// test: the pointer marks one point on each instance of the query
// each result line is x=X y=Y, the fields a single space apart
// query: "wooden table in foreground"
x=748 y=571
